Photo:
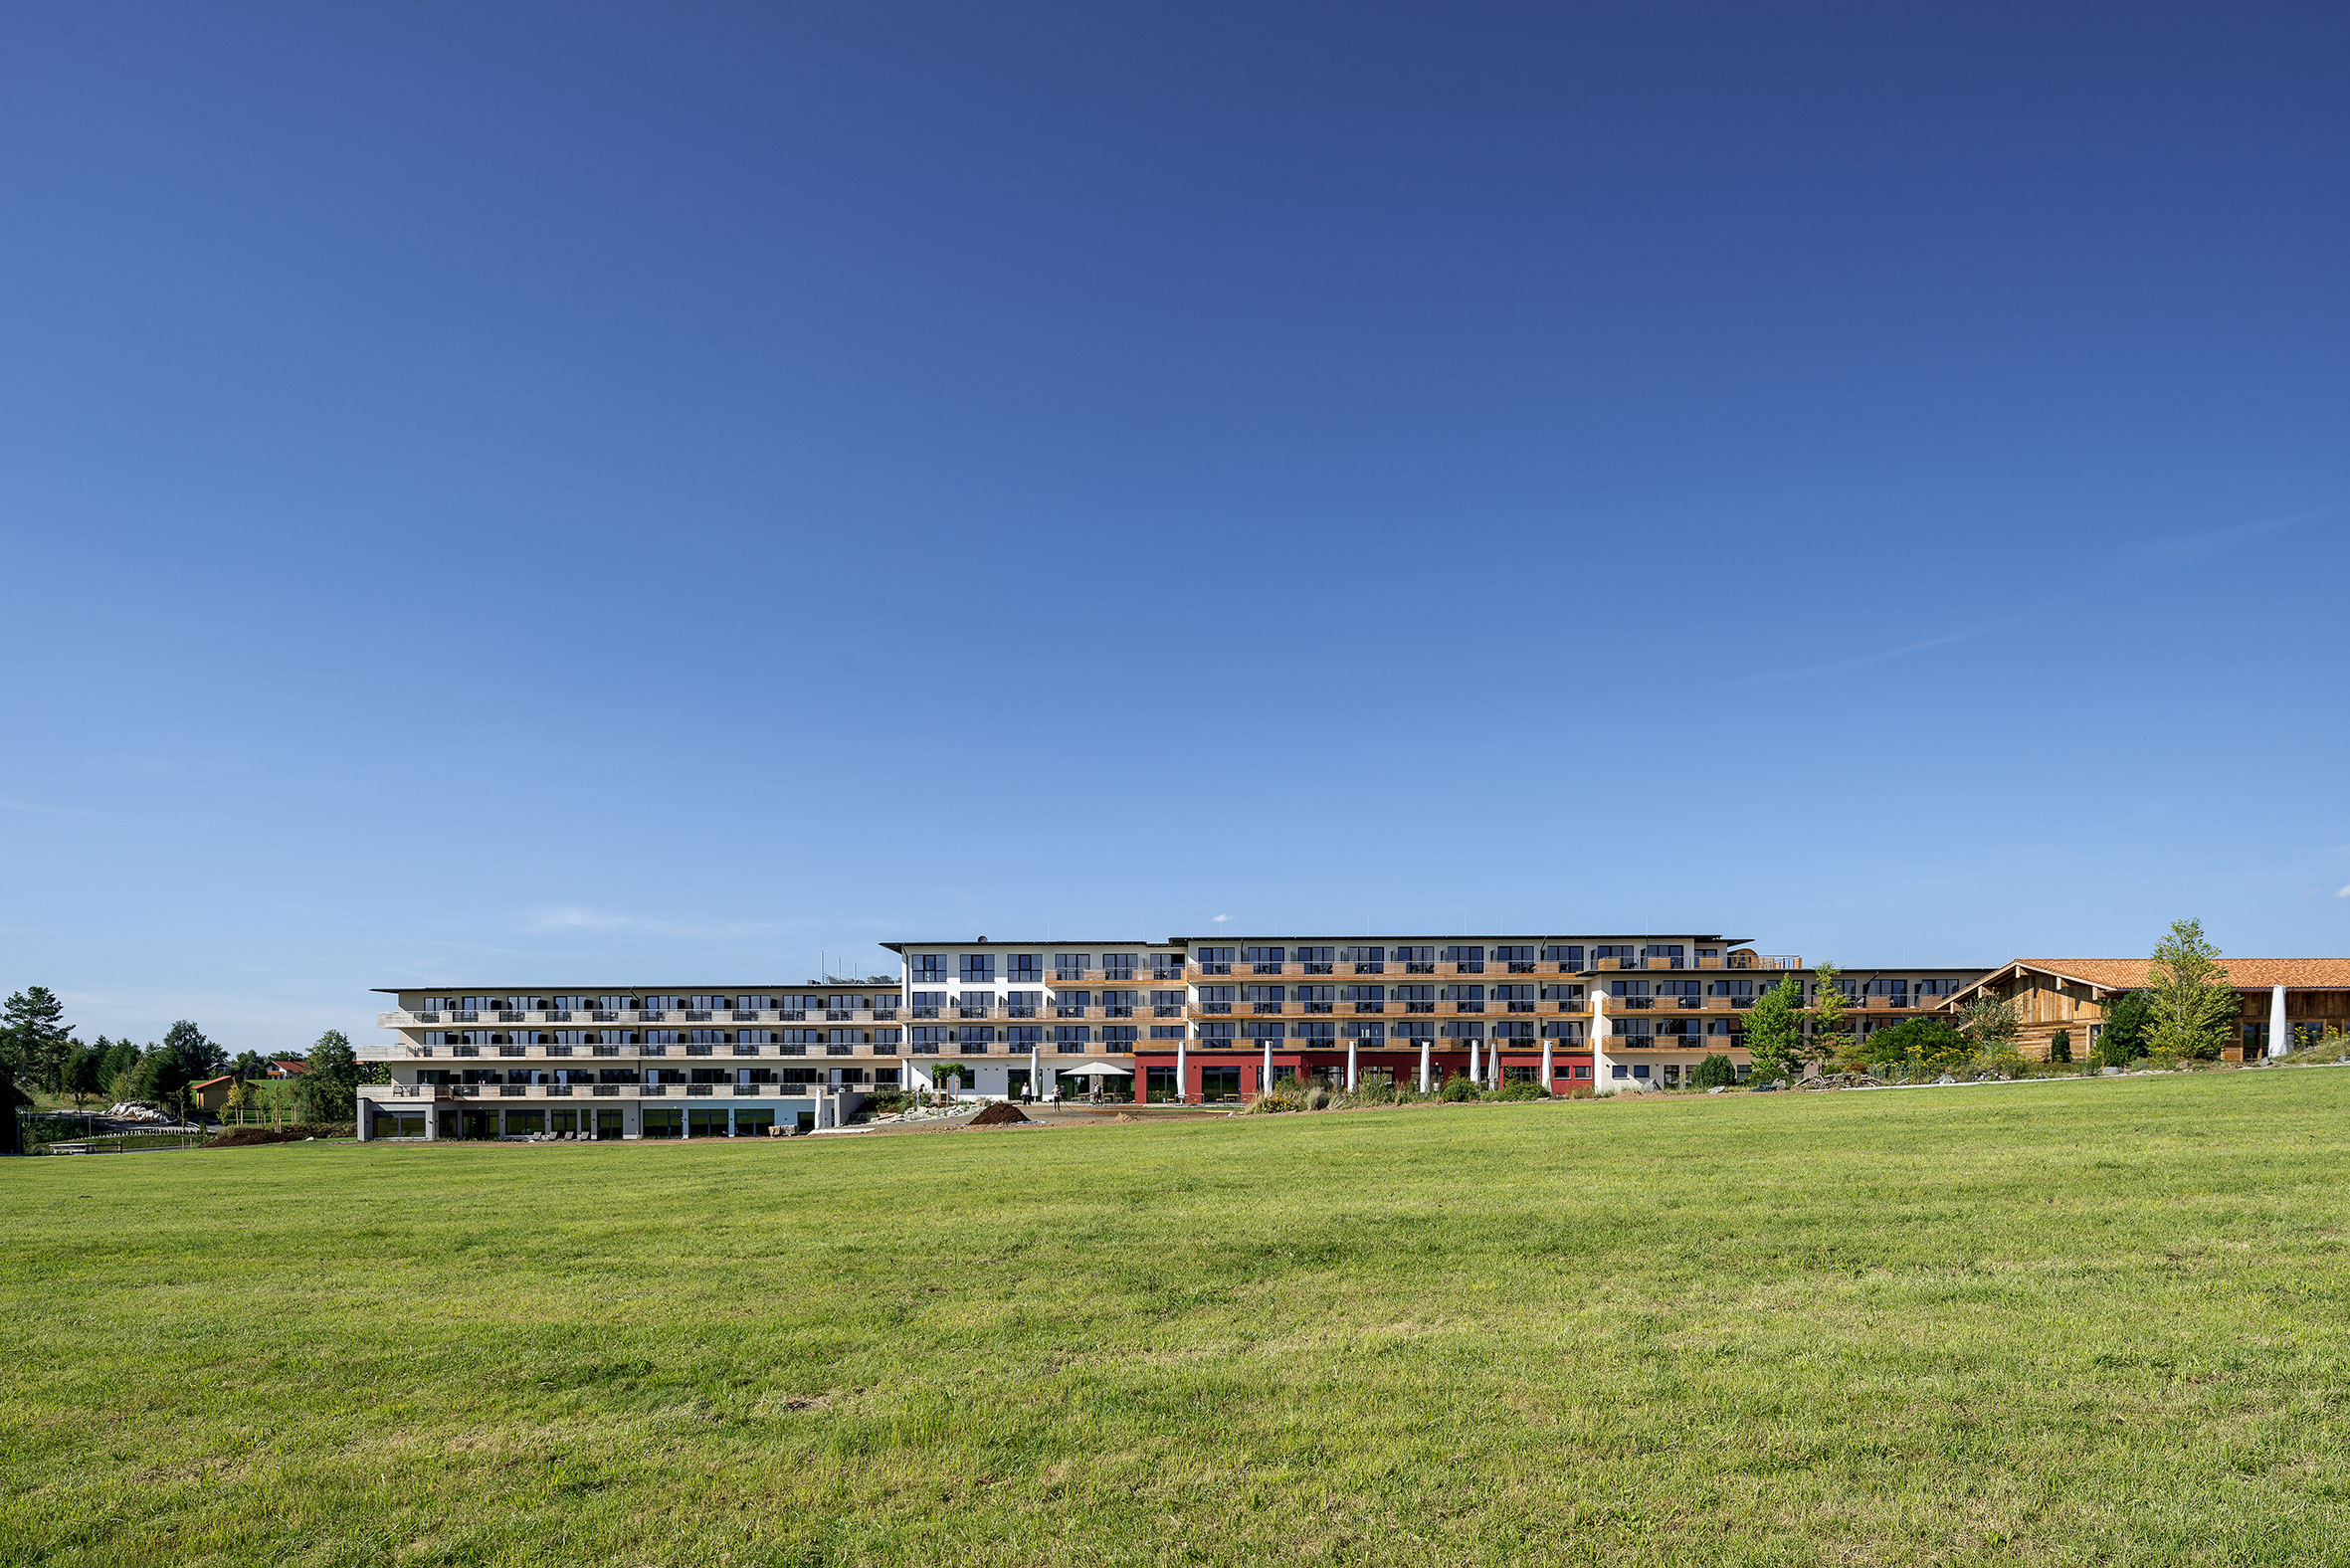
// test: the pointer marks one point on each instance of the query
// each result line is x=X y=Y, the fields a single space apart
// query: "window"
x=1071 y=1038
x=1071 y=967
x=974 y=1039
x=1622 y=955
x=979 y=969
x=1214 y=960
x=1316 y=998
x=974 y=1004
x=926 y=1040
x=1568 y=958
x=1263 y=998
x=1317 y=960
x=1366 y=998
x=1025 y=968
x=1266 y=960
x=1374 y=957
x=929 y=969
x=1118 y=1037
x=1217 y=998
x=1416 y=960
x=1159 y=1084
x=1416 y=998
x=1166 y=1031
x=1023 y=1004
x=1519 y=957
x=1470 y=960
x=1025 y=1037
x=1117 y=966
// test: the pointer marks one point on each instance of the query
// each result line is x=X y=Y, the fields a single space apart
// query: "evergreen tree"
x=1829 y=1033
x=1715 y=1072
x=2122 y=1037
x=34 y=1036
x=1774 y=1031
x=2061 y=1045
x=2195 y=1008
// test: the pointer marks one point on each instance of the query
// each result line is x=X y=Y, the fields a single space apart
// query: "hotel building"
x=629 y=1062
x=1196 y=1020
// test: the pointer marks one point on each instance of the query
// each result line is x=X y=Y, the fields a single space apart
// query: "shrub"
x=1716 y=1071
x=2061 y=1045
x=1459 y=1088
x=2121 y=1040
x=1517 y=1089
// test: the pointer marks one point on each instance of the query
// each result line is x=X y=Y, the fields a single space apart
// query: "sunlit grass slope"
x=2068 y=1322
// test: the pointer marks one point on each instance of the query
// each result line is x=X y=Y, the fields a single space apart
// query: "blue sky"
x=588 y=495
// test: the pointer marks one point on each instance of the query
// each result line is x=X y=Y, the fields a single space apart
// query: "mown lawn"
x=2062 y=1323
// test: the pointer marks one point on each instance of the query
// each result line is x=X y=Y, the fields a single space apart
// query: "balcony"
x=510 y=1016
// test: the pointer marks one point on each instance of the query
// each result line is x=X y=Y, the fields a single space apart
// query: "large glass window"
x=979 y=968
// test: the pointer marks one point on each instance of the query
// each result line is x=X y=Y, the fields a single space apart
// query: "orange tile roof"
x=2242 y=973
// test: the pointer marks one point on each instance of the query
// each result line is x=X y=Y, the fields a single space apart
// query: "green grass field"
x=2086 y=1321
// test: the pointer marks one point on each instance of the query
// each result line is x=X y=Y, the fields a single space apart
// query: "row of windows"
x=659 y=1037
x=616 y=1002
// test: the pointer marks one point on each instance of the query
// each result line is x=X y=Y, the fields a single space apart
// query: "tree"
x=2061 y=1045
x=1989 y=1022
x=34 y=1036
x=328 y=1091
x=1774 y=1031
x=204 y=1057
x=117 y=1070
x=185 y=1057
x=1829 y=1036
x=1715 y=1072
x=2122 y=1037
x=1928 y=1043
x=83 y=1078
x=250 y=1065
x=2195 y=1008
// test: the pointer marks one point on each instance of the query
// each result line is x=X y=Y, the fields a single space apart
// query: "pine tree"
x=1829 y=1037
x=2195 y=1008
x=33 y=1036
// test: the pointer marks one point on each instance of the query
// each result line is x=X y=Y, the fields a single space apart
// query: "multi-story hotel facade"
x=1191 y=1019
x=622 y=1062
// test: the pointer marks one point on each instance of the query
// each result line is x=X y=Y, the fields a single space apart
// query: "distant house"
x=286 y=1067
x=213 y=1094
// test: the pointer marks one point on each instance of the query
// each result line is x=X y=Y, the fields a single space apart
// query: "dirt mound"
x=1002 y=1114
x=1126 y=1116
x=246 y=1137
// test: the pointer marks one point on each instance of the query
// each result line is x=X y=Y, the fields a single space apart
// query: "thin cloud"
x=572 y=918
x=2344 y=894
x=1218 y=919
x=1841 y=666
x=2195 y=546
x=46 y=811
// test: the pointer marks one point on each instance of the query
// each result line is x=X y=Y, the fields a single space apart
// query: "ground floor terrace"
x=460 y=1118
x=1216 y=1076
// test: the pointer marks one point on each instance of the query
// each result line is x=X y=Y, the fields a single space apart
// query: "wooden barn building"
x=2281 y=1001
